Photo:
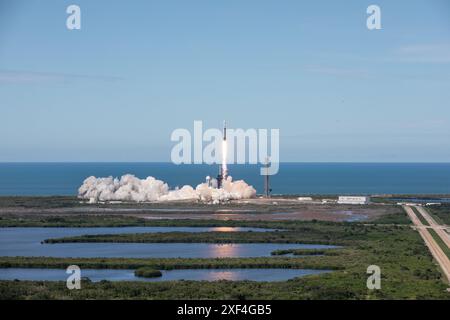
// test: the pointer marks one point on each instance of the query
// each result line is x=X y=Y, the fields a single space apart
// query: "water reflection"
x=172 y=275
x=27 y=242
x=224 y=250
x=225 y=229
x=222 y=275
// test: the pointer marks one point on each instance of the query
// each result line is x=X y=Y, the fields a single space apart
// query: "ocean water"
x=293 y=178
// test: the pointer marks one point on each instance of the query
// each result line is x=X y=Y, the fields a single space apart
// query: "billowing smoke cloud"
x=130 y=188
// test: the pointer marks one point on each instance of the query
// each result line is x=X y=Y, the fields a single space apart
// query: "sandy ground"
x=257 y=209
x=347 y=215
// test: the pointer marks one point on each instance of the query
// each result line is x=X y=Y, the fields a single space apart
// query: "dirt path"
x=438 y=254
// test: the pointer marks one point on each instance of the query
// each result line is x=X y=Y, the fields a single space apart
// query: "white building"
x=353 y=200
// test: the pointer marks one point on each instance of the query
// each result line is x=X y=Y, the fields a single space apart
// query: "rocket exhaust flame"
x=224 y=159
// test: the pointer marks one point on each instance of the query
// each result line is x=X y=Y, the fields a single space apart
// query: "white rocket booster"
x=224 y=151
x=223 y=170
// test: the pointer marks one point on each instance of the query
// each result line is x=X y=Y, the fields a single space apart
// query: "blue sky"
x=115 y=90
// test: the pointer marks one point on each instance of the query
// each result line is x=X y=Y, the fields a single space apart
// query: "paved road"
x=438 y=254
x=439 y=229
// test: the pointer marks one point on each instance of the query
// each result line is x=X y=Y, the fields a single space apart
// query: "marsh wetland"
x=210 y=258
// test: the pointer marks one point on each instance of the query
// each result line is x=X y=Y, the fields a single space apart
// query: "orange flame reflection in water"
x=224 y=250
x=224 y=229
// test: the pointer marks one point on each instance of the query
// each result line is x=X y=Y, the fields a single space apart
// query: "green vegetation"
x=147 y=273
x=120 y=220
x=395 y=217
x=440 y=213
x=176 y=263
x=420 y=216
x=440 y=242
x=70 y=220
x=36 y=207
x=49 y=202
x=315 y=232
x=202 y=237
x=318 y=287
x=436 y=218
x=39 y=202
x=408 y=271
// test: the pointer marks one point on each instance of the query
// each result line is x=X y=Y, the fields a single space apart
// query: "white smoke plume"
x=132 y=189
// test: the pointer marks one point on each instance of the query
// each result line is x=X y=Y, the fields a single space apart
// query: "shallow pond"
x=128 y=275
x=27 y=242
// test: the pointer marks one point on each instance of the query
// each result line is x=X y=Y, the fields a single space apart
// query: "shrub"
x=147 y=273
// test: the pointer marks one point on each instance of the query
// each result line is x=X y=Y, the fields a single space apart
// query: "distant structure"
x=433 y=204
x=353 y=200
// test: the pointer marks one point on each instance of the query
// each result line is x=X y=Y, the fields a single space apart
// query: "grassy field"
x=305 y=232
x=394 y=216
x=51 y=202
x=39 y=202
x=175 y=263
x=106 y=220
x=440 y=242
x=74 y=220
x=420 y=216
x=70 y=211
x=441 y=213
